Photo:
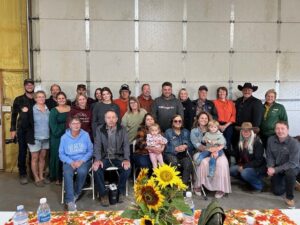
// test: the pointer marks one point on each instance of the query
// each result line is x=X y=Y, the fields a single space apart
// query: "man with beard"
x=51 y=102
x=21 y=104
x=145 y=98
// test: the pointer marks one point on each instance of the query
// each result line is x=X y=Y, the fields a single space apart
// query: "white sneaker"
x=219 y=194
x=72 y=206
x=197 y=192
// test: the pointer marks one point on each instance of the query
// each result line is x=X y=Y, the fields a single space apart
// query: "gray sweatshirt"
x=164 y=109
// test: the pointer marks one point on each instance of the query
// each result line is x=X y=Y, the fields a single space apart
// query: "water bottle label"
x=21 y=222
x=44 y=218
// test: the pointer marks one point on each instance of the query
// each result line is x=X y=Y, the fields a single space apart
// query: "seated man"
x=283 y=162
x=111 y=148
x=75 y=152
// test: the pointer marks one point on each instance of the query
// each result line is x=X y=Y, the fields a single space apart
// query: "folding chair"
x=89 y=188
x=113 y=168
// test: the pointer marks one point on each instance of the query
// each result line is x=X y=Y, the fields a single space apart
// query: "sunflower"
x=151 y=196
x=142 y=174
x=146 y=220
x=166 y=175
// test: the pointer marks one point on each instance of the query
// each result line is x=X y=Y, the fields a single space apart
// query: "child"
x=155 y=139
x=212 y=138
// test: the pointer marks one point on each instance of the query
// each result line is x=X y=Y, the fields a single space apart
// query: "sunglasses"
x=177 y=121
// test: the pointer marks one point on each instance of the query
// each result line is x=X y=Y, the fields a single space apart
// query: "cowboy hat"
x=247 y=126
x=247 y=85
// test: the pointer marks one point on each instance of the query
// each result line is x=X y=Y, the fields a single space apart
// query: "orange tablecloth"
x=233 y=217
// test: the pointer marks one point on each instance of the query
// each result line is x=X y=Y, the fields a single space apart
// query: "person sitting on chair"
x=75 y=152
x=111 y=149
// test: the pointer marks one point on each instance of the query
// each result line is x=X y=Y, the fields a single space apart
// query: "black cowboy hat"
x=247 y=85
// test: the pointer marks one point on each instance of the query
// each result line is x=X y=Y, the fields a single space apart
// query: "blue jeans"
x=123 y=176
x=68 y=173
x=212 y=161
x=249 y=175
x=142 y=161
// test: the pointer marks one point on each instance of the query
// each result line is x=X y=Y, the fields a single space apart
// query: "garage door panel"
x=112 y=35
x=255 y=37
x=165 y=10
x=160 y=36
x=290 y=10
x=112 y=66
x=112 y=9
x=62 y=34
x=290 y=36
x=290 y=67
x=208 y=36
x=254 y=67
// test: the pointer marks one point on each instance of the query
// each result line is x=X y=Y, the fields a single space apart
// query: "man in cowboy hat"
x=248 y=109
x=283 y=154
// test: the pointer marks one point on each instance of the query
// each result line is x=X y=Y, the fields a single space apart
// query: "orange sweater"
x=122 y=105
x=226 y=110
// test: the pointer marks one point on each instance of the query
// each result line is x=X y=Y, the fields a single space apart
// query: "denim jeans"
x=249 y=175
x=72 y=189
x=212 y=161
x=22 y=152
x=284 y=182
x=123 y=176
x=228 y=133
x=142 y=161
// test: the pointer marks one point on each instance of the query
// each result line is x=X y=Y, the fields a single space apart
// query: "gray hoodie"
x=164 y=109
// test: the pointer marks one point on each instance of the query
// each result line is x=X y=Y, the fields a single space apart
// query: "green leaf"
x=131 y=214
x=181 y=206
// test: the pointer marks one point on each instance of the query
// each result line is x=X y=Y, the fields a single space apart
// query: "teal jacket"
x=276 y=112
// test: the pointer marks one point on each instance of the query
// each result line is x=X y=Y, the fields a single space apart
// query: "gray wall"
x=187 y=42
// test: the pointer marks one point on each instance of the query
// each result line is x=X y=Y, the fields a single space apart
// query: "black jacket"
x=19 y=102
x=256 y=160
x=250 y=110
x=189 y=111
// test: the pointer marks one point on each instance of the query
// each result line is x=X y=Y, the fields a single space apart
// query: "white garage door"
x=188 y=42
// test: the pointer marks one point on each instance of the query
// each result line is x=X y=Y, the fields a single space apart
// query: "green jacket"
x=276 y=113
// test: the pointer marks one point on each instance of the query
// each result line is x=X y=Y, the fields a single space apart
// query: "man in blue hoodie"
x=111 y=149
x=75 y=151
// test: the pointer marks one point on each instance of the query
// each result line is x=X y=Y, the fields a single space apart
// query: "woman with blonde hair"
x=189 y=109
x=251 y=165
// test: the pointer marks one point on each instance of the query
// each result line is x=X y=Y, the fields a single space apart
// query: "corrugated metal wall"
x=187 y=42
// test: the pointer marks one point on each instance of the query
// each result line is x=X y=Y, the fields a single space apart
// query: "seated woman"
x=141 y=157
x=220 y=182
x=178 y=148
x=75 y=152
x=251 y=166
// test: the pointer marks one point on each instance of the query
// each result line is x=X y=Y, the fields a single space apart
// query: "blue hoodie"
x=74 y=149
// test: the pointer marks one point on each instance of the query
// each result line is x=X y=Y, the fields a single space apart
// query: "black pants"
x=184 y=164
x=284 y=182
x=22 y=152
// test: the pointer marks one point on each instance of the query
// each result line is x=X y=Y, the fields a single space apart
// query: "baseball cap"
x=124 y=87
x=28 y=81
x=203 y=87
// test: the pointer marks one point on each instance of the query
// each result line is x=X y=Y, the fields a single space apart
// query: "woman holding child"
x=220 y=181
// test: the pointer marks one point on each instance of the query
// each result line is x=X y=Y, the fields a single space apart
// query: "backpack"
x=213 y=214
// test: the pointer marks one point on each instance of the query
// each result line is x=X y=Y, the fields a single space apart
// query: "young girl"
x=155 y=139
x=212 y=138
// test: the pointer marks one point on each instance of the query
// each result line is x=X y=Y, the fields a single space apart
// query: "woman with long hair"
x=57 y=123
x=251 y=166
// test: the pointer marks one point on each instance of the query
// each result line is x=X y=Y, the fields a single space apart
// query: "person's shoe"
x=297 y=186
x=121 y=198
x=197 y=191
x=46 y=181
x=23 y=180
x=39 y=183
x=219 y=194
x=77 y=197
x=104 y=201
x=290 y=203
x=71 y=206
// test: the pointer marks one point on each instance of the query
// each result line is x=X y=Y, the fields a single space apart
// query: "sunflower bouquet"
x=158 y=197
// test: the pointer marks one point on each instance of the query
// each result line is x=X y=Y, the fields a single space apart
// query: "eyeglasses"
x=132 y=102
x=177 y=121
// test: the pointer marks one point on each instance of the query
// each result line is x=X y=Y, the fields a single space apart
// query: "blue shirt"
x=41 y=123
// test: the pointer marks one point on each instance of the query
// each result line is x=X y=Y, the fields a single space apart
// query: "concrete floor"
x=12 y=194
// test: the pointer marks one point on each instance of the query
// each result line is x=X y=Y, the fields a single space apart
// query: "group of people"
x=199 y=137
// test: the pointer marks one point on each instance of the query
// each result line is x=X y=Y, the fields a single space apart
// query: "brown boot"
x=290 y=203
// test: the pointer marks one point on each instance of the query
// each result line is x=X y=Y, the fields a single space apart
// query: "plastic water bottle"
x=21 y=216
x=189 y=219
x=43 y=212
